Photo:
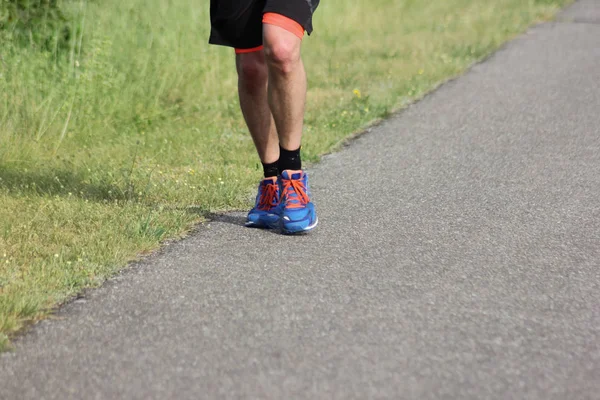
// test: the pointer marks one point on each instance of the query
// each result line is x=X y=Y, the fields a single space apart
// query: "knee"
x=282 y=53
x=252 y=71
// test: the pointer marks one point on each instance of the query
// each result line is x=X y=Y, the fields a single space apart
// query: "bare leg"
x=287 y=84
x=252 y=88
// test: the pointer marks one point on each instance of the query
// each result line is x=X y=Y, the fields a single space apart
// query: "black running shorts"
x=238 y=23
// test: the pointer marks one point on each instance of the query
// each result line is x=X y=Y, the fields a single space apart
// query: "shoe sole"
x=264 y=225
x=305 y=230
x=249 y=224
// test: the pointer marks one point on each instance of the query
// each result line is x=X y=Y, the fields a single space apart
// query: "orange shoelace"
x=268 y=197
x=296 y=193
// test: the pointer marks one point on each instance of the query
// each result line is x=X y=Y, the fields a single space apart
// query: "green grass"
x=135 y=134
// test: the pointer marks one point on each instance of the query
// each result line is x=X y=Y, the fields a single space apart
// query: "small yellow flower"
x=357 y=93
x=421 y=71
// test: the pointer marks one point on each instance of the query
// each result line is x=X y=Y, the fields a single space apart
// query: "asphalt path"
x=457 y=257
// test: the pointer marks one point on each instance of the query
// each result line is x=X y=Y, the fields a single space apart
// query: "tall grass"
x=131 y=132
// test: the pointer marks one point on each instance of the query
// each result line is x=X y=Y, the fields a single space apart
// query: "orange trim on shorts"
x=284 y=22
x=252 y=50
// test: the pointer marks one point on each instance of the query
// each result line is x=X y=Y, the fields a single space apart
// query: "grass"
x=134 y=135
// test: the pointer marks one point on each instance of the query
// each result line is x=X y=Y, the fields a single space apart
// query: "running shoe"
x=296 y=212
x=264 y=213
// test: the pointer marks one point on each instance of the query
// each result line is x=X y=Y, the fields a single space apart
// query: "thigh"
x=236 y=23
x=300 y=11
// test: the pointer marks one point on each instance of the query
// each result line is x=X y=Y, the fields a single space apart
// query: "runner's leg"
x=252 y=87
x=287 y=83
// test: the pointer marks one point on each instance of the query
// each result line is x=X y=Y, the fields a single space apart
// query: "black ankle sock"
x=271 y=169
x=289 y=159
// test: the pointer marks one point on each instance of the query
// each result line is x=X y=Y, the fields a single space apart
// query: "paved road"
x=458 y=258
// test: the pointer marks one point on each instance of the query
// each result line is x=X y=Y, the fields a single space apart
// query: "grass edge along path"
x=72 y=228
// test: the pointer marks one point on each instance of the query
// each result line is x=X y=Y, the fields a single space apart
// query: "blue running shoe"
x=264 y=214
x=297 y=213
